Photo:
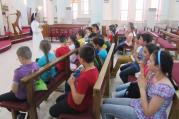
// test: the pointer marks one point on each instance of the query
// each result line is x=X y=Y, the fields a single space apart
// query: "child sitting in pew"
x=80 y=37
x=45 y=46
x=132 y=68
x=62 y=50
x=101 y=52
x=18 y=92
x=79 y=99
x=156 y=93
x=130 y=34
x=88 y=34
x=130 y=89
x=73 y=44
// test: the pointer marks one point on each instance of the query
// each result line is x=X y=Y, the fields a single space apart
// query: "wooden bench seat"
x=100 y=89
x=35 y=98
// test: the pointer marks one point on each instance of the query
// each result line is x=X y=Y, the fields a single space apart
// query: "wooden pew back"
x=174 y=111
x=101 y=87
x=33 y=99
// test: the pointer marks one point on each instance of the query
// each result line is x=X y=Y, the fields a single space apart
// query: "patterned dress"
x=162 y=90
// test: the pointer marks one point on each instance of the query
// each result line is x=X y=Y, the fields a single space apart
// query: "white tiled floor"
x=9 y=62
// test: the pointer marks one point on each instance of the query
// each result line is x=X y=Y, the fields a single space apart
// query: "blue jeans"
x=121 y=89
x=119 y=108
x=127 y=70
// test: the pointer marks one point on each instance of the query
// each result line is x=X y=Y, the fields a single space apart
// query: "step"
x=18 y=40
x=5 y=45
x=13 y=37
x=2 y=38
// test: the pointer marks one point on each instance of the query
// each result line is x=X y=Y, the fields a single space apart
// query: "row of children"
x=79 y=98
x=151 y=95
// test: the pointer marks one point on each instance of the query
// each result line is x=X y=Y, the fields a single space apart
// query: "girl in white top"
x=37 y=36
x=130 y=34
x=73 y=44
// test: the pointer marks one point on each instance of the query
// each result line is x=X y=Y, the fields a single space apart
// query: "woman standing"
x=37 y=35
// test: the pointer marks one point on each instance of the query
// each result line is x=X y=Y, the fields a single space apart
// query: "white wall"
x=174 y=10
x=1 y=23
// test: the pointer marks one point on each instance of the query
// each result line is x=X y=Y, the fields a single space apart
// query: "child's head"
x=35 y=16
x=45 y=46
x=88 y=30
x=62 y=39
x=95 y=28
x=72 y=40
x=162 y=62
x=145 y=39
x=80 y=34
x=24 y=54
x=148 y=50
x=87 y=54
x=98 y=42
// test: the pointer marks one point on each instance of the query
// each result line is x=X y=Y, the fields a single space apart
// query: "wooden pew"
x=172 y=38
x=162 y=42
x=34 y=99
x=174 y=111
x=100 y=89
x=57 y=30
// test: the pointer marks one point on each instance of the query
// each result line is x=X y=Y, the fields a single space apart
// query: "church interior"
x=129 y=49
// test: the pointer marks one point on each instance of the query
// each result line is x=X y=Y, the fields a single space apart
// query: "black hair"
x=98 y=41
x=138 y=36
x=146 y=37
x=81 y=33
x=87 y=53
x=151 y=48
x=45 y=46
x=92 y=35
x=24 y=52
x=89 y=28
x=96 y=26
x=76 y=43
x=166 y=64
x=131 y=25
x=32 y=19
x=62 y=39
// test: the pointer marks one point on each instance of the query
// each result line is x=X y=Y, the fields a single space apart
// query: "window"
x=85 y=6
x=155 y=3
x=124 y=10
x=139 y=10
x=75 y=10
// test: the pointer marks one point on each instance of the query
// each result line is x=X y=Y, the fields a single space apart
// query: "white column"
x=115 y=10
x=96 y=11
x=1 y=22
x=164 y=10
x=107 y=12
x=131 y=11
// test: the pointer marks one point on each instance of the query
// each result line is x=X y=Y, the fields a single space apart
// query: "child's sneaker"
x=21 y=115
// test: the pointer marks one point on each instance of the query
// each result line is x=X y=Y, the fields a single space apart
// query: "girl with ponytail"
x=156 y=93
x=45 y=47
